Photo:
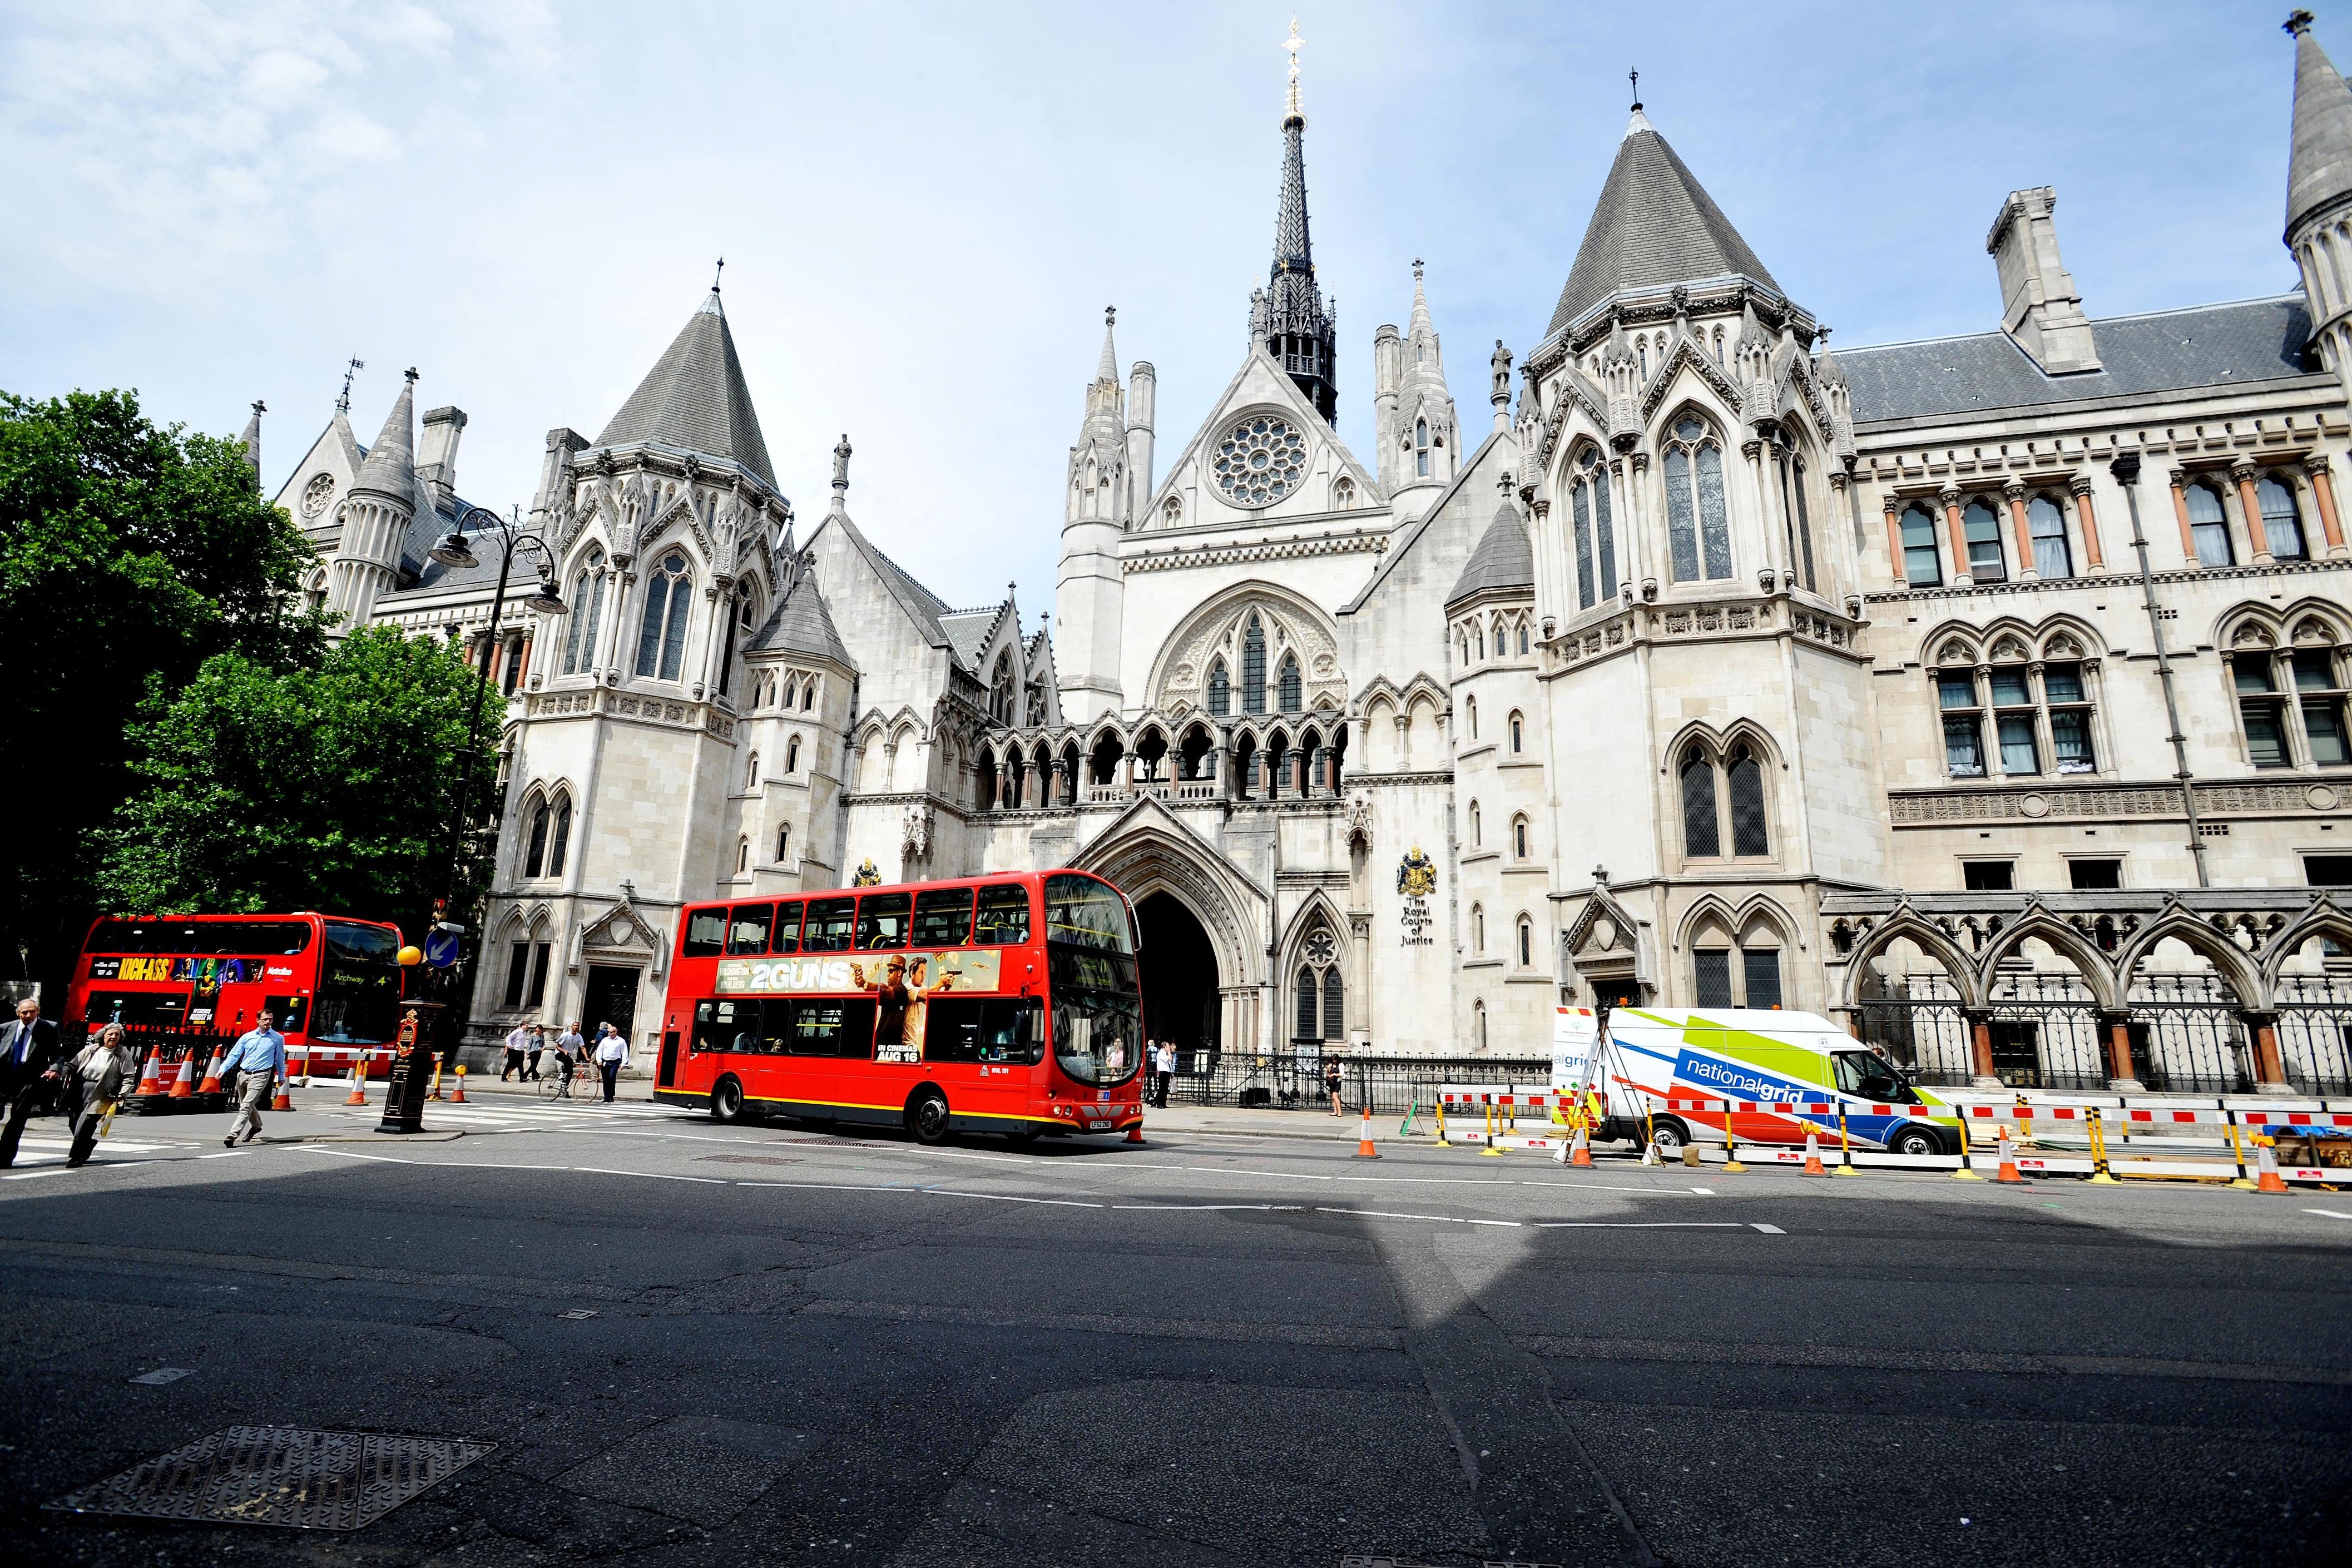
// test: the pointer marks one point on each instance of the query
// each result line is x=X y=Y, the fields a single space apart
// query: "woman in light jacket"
x=99 y=1076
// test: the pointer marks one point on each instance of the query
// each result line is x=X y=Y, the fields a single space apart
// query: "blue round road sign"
x=440 y=949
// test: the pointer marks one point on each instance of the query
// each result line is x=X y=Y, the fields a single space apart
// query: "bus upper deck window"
x=882 y=920
x=828 y=929
x=943 y=917
x=705 y=933
x=747 y=927
x=788 y=928
x=1003 y=914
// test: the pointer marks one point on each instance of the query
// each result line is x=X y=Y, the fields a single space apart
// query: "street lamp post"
x=456 y=551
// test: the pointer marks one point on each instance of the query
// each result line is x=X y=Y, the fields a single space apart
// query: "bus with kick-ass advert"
x=1009 y=1004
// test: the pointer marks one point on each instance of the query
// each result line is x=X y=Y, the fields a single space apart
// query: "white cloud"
x=279 y=76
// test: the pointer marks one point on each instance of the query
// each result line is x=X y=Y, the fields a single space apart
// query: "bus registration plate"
x=1099 y=1127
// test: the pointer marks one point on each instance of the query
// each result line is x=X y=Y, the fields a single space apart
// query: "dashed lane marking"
x=2328 y=1213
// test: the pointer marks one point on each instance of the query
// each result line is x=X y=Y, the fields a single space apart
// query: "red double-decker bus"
x=1003 y=1003
x=183 y=982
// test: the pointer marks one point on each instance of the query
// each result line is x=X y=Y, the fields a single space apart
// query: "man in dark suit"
x=30 y=1050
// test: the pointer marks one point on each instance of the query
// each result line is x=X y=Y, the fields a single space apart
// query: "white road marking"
x=1637 y=1224
x=1767 y=1229
x=1007 y=1198
x=653 y=1175
x=2329 y=1213
x=1206 y=1207
x=832 y=1185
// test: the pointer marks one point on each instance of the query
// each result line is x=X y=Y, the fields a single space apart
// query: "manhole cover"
x=287 y=1476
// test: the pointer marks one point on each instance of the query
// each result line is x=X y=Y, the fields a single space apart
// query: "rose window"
x=1260 y=461
x=317 y=494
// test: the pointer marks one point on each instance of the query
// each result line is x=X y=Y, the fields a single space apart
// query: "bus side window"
x=747 y=930
x=706 y=932
x=291 y=1012
x=882 y=920
x=788 y=928
x=1003 y=916
x=718 y=1021
x=775 y=1026
x=829 y=922
x=951 y=1031
x=831 y=1028
x=1009 y=1032
x=943 y=917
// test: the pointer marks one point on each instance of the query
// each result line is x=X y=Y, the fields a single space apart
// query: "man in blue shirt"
x=261 y=1058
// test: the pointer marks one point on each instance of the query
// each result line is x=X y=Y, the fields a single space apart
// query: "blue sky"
x=924 y=210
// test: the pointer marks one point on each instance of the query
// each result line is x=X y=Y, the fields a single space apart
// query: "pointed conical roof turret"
x=694 y=399
x=1106 y=368
x=1653 y=225
x=1504 y=560
x=391 y=466
x=251 y=441
x=2319 y=170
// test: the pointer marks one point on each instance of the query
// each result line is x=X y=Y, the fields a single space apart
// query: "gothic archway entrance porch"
x=1180 y=982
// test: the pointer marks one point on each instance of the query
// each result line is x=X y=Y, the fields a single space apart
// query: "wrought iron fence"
x=2188 y=1036
x=2315 y=1033
x=1922 y=1029
x=1292 y=1079
x=2046 y=1033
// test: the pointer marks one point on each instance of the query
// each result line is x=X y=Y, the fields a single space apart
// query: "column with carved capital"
x=2270 y=1072
x=2244 y=472
x=1894 y=543
x=2093 y=557
x=2028 y=570
x=2322 y=488
x=1061 y=785
x=2180 y=510
x=2121 y=1078
x=1980 y=1046
x=1950 y=496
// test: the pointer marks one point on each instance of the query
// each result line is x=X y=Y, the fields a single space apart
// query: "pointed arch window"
x=1698 y=534
x=1254 y=666
x=1292 y=693
x=534 y=862
x=1335 y=1004
x=752 y=773
x=1304 y=1014
x=1478 y=1025
x=1527 y=943
x=738 y=632
x=1801 y=519
x=1476 y=839
x=1518 y=838
x=661 y=639
x=559 y=841
x=1470 y=712
x=1701 y=836
x=1479 y=929
x=1519 y=735
x=1221 y=690
x=791 y=756
x=587 y=609
x=783 y=840
x=1596 y=540
x=742 y=855
x=1420 y=448
x=1748 y=835
x=1523 y=636
x=1000 y=689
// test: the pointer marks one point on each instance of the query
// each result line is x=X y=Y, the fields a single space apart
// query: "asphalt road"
x=1207 y=1351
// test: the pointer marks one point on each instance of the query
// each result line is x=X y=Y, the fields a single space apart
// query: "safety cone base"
x=1364 y=1150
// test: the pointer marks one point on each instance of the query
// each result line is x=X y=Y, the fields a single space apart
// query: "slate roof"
x=802 y=625
x=967 y=631
x=1504 y=559
x=1653 y=225
x=694 y=399
x=420 y=574
x=2168 y=350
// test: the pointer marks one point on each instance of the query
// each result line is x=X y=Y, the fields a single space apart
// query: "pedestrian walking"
x=259 y=1056
x=569 y=1050
x=612 y=1055
x=518 y=1041
x=29 y=1054
x=1165 y=1066
x=100 y=1072
x=1332 y=1081
x=538 y=1049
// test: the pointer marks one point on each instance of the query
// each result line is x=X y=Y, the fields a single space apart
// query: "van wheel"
x=927 y=1117
x=727 y=1101
x=1669 y=1135
x=1915 y=1141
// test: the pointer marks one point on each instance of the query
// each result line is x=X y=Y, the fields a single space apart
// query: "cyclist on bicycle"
x=570 y=1049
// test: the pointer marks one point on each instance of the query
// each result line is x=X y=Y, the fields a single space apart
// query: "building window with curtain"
x=1254 y=666
x=2262 y=709
x=661 y=639
x=2046 y=522
x=1921 y=566
x=1980 y=526
x=1956 y=696
x=2208 y=527
x=587 y=609
x=2068 y=699
x=1698 y=532
x=2281 y=523
x=2015 y=720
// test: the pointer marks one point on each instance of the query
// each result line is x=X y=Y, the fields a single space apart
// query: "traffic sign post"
x=441 y=948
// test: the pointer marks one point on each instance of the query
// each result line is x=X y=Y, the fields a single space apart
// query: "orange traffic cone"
x=184 y=1086
x=1813 y=1153
x=457 y=1095
x=2008 y=1171
x=1135 y=1133
x=2266 y=1176
x=358 y=1096
x=1364 y=1150
x=282 y=1101
x=1579 y=1149
x=211 y=1085
x=148 y=1083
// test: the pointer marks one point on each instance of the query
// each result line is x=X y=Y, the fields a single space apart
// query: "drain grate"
x=288 y=1476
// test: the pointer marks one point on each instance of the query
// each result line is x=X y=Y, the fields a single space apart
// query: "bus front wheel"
x=927 y=1116
x=727 y=1101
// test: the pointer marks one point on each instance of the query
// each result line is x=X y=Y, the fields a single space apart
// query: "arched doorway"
x=1179 y=977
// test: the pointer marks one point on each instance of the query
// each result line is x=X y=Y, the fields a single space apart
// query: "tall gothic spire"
x=2319 y=170
x=391 y=466
x=1300 y=333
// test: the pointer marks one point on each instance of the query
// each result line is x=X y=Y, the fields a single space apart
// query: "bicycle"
x=556 y=1084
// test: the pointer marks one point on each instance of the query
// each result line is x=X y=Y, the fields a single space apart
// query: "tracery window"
x=1740 y=785
x=1289 y=689
x=2040 y=721
x=1698 y=535
x=661 y=639
x=1596 y=541
x=1254 y=666
x=1221 y=690
x=1321 y=997
x=587 y=609
x=1000 y=689
x=1259 y=461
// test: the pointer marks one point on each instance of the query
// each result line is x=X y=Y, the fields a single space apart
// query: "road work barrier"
x=1489 y=1114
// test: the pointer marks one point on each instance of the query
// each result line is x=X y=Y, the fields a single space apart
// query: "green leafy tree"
x=129 y=555
x=328 y=789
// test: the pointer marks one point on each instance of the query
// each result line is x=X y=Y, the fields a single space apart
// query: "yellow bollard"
x=1493 y=1129
x=1440 y=1120
x=2100 y=1175
x=1965 y=1173
x=2238 y=1147
x=1845 y=1146
x=1731 y=1166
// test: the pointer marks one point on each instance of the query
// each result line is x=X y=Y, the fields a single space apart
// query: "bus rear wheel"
x=927 y=1116
x=727 y=1101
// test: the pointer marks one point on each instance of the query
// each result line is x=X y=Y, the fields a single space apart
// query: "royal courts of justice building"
x=1684 y=661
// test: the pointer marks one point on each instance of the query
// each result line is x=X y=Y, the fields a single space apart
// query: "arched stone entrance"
x=1179 y=975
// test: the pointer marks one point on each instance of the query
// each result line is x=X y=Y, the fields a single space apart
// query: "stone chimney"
x=2040 y=308
x=437 y=452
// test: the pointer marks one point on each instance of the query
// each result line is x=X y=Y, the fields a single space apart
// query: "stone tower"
x=1090 y=593
x=1420 y=439
x=376 y=515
